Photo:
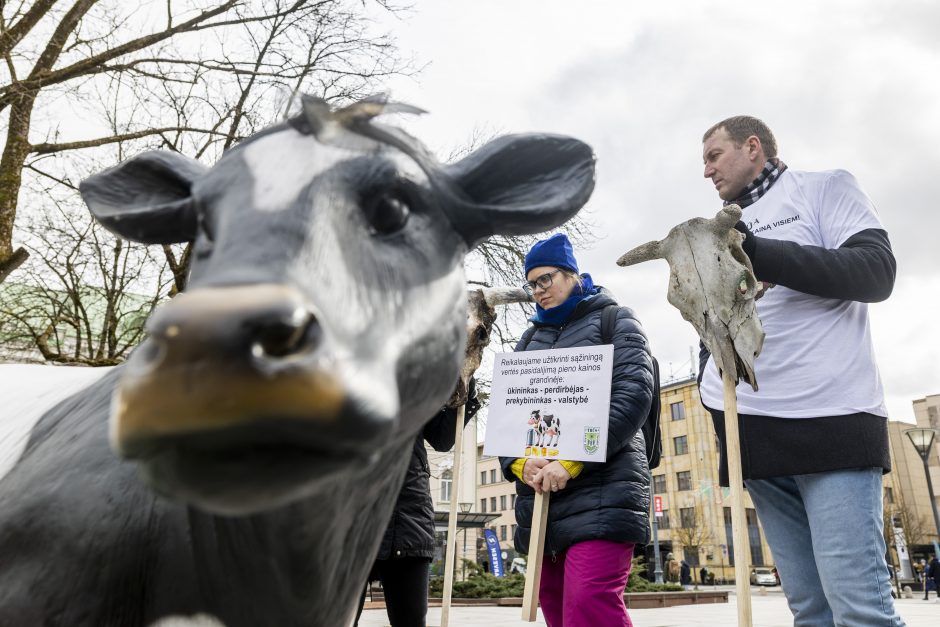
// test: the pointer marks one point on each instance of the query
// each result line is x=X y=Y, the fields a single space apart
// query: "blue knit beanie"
x=555 y=251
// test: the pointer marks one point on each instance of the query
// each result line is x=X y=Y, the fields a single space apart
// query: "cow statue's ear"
x=147 y=198
x=521 y=184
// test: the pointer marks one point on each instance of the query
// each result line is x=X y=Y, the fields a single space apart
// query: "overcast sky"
x=843 y=84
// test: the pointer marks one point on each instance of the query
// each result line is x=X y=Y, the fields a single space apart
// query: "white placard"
x=551 y=403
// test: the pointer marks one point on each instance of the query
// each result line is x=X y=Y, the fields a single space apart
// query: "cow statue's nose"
x=256 y=323
x=226 y=359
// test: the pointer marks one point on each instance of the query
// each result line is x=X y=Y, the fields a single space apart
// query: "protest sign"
x=551 y=403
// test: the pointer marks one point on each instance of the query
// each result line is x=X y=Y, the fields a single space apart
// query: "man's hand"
x=552 y=476
x=748 y=243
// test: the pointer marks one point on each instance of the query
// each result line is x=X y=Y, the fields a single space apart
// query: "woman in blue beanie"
x=599 y=511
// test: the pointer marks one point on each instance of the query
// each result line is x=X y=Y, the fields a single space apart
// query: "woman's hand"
x=531 y=469
x=551 y=476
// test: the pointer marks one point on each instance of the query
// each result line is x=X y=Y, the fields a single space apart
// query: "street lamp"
x=923 y=440
x=464 y=508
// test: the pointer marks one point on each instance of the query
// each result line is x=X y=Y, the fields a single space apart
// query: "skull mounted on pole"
x=712 y=284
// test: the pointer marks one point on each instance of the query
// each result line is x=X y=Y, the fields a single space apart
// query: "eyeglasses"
x=544 y=282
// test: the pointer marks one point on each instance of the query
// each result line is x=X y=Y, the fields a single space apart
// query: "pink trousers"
x=583 y=587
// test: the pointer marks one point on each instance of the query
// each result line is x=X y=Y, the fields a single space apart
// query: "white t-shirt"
x=817 y=359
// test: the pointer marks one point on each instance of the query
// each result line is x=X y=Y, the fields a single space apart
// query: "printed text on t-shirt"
x=772 y=225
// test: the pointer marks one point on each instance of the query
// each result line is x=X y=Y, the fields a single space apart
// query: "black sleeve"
x=862 y=269
x=441 y=430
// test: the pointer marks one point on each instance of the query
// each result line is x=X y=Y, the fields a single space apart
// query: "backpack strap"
x=608 y=323
x=526 y=338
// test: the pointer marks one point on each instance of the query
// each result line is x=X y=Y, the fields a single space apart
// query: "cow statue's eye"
x=387 y=213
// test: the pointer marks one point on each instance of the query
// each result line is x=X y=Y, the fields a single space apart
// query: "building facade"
x=696 y=512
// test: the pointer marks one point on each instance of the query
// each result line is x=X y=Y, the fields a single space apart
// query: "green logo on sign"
x=592 y=438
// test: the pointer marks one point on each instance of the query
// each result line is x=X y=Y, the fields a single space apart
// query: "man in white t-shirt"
x=814 y=440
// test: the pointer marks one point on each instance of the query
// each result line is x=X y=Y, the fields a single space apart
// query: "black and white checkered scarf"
x=759 y=186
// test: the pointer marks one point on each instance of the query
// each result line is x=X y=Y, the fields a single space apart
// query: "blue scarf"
x=557 y=316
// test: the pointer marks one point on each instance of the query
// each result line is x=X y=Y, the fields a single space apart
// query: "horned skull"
x=712 y=284
x=481 y=314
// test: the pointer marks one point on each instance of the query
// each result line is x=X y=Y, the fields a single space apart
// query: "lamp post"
x=464 y=508
x=923 y=440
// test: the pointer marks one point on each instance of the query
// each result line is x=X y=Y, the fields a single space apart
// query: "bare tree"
x=692 y=531
x=76 y=301
x=917 y=529
x=194 y=76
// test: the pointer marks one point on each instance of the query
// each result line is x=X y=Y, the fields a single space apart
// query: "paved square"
x=767 y=611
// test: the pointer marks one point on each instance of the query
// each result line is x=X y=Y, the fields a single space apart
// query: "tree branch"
x=42 y=149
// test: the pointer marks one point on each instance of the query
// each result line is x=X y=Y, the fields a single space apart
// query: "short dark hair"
x=740 y=127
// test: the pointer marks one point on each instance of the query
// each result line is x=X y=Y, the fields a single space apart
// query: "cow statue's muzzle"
x=232 y=394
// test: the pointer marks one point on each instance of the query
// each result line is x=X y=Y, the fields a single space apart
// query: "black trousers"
x=405 y=585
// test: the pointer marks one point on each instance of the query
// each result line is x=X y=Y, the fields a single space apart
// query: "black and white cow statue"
x=262 y=430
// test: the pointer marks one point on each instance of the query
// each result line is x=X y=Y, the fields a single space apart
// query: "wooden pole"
x=452 y=521
x=738 y=520
x=533 y=571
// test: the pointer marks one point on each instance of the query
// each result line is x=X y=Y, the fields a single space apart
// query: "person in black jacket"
x=814 y=437
x=404 y=558
x=599 y=511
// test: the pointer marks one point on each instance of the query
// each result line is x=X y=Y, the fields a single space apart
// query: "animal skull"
x=481 y=314
x=712 y=284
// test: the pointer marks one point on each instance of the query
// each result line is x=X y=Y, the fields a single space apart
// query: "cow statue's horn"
x=643 y=252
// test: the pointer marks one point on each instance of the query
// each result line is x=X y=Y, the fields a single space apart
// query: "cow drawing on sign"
x=259 y=437
x=550 y=430
x=533 y=435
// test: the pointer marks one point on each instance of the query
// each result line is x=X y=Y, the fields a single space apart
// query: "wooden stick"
x=452 y=521
x=738 y=519
x=533 y=571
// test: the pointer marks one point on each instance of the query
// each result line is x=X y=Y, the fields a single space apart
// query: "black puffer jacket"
x=610 y=500
x=410 y=531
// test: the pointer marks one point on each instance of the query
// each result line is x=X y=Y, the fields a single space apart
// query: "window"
x=502 y=532
x=753 y=538
x=492 y=503
x=483 y=477
x=681 y=444
x=664 y=520
x=729 y=534
x=684 y=480
x=502 y=502
x=482 y=506
x=512 y=530
x=691 y=557
x=687 y=518
x=512 y=501
x=447 y=479
x=889 y=495
x=677 y=410
x=493 y=476
x=659 y=484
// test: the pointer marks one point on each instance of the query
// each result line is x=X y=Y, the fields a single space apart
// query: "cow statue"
x=712 y=284
x=263 y=428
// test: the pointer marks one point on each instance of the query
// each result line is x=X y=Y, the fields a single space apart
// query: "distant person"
x=814 y=437
x=599 y=510
x=685 y=574
x=703 y=575
x=404 y=558
x=672 y=569
x=932 y=576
